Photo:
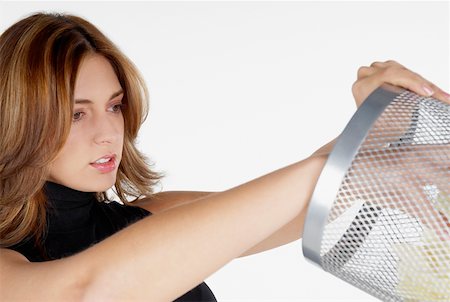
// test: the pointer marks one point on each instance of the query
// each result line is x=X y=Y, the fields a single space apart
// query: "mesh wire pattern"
x=387 y=231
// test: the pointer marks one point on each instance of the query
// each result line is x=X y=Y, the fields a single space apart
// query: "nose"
x=107 y=130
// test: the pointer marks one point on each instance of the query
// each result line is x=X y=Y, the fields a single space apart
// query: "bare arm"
x=167 y=200
x=163 y=256
x=291 y=231
x=164 y=201
x=170 y=199
x=58 y=280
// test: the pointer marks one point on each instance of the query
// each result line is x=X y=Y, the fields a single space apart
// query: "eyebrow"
x=86 y=101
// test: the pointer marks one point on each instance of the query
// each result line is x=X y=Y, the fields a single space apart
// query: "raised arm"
x=165 y=255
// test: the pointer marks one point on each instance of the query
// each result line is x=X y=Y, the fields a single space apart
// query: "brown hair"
x=39 y=59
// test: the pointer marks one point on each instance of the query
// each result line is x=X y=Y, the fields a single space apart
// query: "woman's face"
x=91 y=155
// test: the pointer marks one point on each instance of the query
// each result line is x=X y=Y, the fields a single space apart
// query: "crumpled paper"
x=424 y=268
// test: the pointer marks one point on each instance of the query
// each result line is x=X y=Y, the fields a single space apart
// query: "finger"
x=417 y=84
x=413 y=81
x=388 y=63
x=378 y=64
x=394 y=63
x=439 y=94
x=407 y=79
x=391 y=73
x=365 y=71
x=363 y=87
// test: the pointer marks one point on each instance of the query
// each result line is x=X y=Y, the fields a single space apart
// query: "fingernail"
x=428 y=91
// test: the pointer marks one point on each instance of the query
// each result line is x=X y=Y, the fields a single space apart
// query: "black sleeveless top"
x=76 y=221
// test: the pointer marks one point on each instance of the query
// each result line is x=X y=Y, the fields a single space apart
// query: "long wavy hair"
x=39 y=59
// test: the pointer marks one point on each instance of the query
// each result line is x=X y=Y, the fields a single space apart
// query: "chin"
x=100 y=184
x=97 y=183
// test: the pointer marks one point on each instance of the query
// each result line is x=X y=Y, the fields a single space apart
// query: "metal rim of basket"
x=337 y=164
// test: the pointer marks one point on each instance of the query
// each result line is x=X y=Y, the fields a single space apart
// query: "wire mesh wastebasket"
x=379 y=215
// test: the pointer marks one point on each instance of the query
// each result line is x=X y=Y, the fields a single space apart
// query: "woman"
x=71 y=105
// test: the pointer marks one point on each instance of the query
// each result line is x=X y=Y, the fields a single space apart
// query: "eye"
x=117 y=108
x=77 y=116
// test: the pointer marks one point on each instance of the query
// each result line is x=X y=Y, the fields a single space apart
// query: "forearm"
x=167 y=200
x=293 y=230
x=288 y=233
x=165 y=255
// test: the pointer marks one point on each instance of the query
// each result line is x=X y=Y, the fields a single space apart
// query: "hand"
x=407 y=192
x=391 y=72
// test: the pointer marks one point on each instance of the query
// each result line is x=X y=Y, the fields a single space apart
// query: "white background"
x=240 y=89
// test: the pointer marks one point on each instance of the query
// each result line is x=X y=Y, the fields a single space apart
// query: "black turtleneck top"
x=76 y=221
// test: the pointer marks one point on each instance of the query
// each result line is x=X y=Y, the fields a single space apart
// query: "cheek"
x=70 y=158
x=121 y=129
x=122 y=124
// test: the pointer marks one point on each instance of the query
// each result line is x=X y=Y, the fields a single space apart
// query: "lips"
x=105 y=164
